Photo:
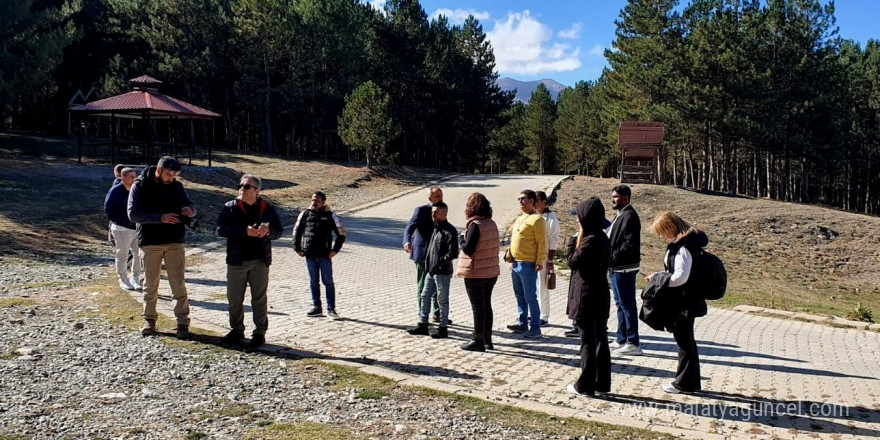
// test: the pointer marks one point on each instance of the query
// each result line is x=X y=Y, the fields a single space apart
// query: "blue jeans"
x=435 y=285
x=623 y=284
x=321 y=269
x=526 y=291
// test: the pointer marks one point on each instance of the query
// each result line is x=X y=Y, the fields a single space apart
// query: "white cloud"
x=597 y=50
x=458 y=16
x=523 y=46
x=378 y=5
x=572 y=33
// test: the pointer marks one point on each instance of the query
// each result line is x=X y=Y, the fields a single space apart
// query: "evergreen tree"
x=366 y=124
x=33 y=36
x=572 y=129
x=539 y=133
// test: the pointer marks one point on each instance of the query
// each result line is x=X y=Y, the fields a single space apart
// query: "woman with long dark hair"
x=478 y=265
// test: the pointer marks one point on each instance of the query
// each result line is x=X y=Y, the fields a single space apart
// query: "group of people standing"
x=600 y=251
x=598 y=248
x=433 y=244
x=148 y=214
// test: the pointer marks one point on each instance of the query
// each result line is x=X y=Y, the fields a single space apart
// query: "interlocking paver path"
x=762 y=376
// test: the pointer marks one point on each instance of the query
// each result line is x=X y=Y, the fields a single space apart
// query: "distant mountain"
x=524 y=89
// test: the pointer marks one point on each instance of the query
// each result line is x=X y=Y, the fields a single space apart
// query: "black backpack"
x=713 y=276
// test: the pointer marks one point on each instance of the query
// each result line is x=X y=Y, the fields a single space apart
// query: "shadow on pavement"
x=713 y=351
x=206 y=282
x=283 y=352
x=374 y=232
x=224 y=307
x=426 y=370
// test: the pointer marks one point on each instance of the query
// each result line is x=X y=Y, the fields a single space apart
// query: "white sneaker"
x=614 y=345
x=629 y=349
x=125 y=285
x=571 y=389
x=669 y=388
x=137 y=286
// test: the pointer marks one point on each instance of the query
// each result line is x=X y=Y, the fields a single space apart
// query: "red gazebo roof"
x=137 y=102
x=145 y=100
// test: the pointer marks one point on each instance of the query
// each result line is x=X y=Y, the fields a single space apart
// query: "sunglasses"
x=246 y=186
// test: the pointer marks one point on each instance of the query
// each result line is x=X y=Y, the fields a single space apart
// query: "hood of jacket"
x=694 y=238
x=591 y=216
x=148 y=174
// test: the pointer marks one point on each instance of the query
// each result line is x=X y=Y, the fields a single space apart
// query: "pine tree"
x=539 y=133
x=366 y=124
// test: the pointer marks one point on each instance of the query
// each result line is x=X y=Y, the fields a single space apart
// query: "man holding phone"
x=249 y=224
x=157 y=204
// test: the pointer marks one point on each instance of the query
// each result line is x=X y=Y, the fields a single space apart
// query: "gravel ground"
x=68 y=375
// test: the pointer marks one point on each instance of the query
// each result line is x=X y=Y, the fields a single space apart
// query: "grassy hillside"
x=53 y=207
x=778 y=255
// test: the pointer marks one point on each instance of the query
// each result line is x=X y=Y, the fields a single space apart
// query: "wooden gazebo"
x=642 y=154
x=146 y=104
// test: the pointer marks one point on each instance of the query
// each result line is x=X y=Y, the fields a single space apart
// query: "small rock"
x=112 y=396
x=25 y=351
x=78 y=326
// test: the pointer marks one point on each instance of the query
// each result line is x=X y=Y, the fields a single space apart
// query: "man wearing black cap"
x=160 y=206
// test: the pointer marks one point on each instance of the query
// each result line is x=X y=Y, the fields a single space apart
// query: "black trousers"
x=687 y=376
x=479 y=292
x=595 y=357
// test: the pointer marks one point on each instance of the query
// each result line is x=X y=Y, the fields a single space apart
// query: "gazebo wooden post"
x=211 y=145
x=192 y=141
x=113 y=138
x=149 y=133
x=79 y=141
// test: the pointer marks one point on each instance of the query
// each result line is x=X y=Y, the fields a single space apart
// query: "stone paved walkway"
x=763 y=377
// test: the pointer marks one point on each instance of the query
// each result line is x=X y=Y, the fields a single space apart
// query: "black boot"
x=487 y=341
x=441 y=333
x=421 y=329
x=475 y=344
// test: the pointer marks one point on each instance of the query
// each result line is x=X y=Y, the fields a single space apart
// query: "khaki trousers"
x=256 y=274
x=175 y=265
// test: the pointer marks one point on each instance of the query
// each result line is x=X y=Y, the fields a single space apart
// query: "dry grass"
x=779 y=255
x=54 y=207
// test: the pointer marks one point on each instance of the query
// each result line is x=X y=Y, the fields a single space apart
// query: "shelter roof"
x=145 y=79
x=138 y=102
x=633 y=133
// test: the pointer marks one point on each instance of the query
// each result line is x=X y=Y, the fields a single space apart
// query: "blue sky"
x=564 y=39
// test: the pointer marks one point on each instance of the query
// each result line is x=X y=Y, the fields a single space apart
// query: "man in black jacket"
x=249 y=224
x=313 y=239
x=160 y=207
x=625 y=234
x=442 y=249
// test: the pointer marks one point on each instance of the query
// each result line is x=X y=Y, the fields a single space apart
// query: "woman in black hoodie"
x=686 y=303
x=588 y=300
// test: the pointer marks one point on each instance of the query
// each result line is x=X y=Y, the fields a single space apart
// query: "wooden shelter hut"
x=642 y=154
x=155 y=112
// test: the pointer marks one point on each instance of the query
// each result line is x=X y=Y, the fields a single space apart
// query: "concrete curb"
x=818 y=319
